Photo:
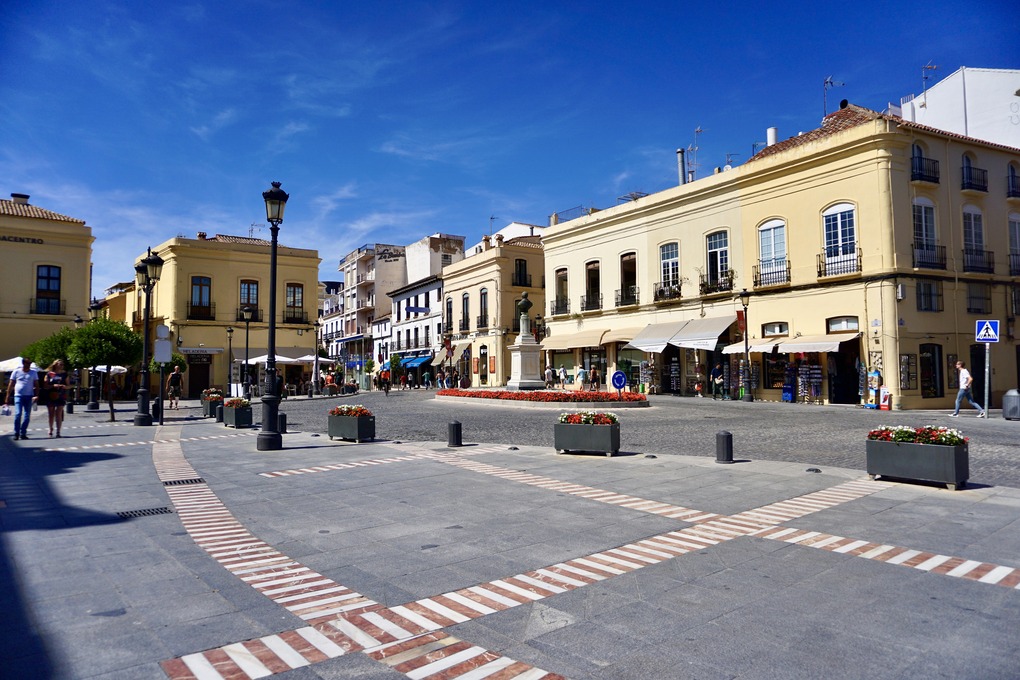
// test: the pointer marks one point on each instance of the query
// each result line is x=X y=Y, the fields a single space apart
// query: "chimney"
x=771 y=135
x=20 y=198
x=554 y=219
x=486 y=242
x=681 y=165
x=201 y=236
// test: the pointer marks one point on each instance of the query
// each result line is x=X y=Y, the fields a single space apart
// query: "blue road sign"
x=987 y=330
x=619 y=380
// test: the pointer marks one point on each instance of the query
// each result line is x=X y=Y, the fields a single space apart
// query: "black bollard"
x=219 y=412
x=70 y=407
x=453 y=434
x=157 y=406
x=281 y=419
x=723 y=447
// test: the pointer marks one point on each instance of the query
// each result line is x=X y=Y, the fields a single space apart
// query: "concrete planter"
x=357 y=428
x=567 y=437
x=235 y=417
x=949 y=465
x=209 y=408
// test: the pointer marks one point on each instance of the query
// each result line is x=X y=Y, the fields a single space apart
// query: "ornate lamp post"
x=94 y=309
x=315 y=369
x=269 y=438
x=246 y=312
x=745 y=297
x=230 y=360
x=146 y=274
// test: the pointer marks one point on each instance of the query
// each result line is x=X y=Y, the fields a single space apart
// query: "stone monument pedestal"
x=525 y=366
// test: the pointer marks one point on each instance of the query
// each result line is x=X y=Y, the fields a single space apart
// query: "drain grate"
x=128 y=514
x=182 y=482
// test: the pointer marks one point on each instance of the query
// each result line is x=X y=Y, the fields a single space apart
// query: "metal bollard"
x=155 y=408
x=219 y=412
x=70 y=407
x=311 y=391
x=453 y=434
x=723 y=447
x=281 y=420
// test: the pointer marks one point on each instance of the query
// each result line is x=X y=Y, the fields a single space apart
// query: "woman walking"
x=55 y=383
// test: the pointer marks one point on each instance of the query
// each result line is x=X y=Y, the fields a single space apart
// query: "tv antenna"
x=252 y=228
x=692 y=165
x=826 y=84
x=924 y=82
x=492 y=218
x=730 y=157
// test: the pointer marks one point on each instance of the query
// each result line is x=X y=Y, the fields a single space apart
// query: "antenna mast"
x=924 y=82
x=826 y=84
x=692 y=165
x=252 y=228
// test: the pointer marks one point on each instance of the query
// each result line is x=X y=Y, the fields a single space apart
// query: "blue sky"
x=388 y=121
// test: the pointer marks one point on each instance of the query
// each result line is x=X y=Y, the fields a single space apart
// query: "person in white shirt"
x=966 y=380
x=24 y=386
x=563 y=377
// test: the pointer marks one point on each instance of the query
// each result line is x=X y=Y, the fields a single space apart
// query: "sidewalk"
x=181 y=551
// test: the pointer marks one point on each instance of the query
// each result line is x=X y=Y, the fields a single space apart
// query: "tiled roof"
x=9 y=207
x=245 y=240
x=838 y=121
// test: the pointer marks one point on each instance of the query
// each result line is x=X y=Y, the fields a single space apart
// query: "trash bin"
x=1011 y=405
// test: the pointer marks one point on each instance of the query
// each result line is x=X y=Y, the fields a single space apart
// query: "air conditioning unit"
x=901 y=291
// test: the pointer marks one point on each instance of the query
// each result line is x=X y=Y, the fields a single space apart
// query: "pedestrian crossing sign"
x=987 y=330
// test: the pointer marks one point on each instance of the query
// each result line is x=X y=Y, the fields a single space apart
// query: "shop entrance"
x=844 y=376
x=977 y=371
x=198 y=375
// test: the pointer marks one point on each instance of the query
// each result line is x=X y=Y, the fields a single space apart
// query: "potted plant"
x=351 y=421
x=587 y=431
x=930 y=454
x=211 y=398
x=237 y=413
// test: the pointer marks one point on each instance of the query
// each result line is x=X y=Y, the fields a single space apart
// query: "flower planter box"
x=209 y=408
x=605 y=438
x=236 y=417
x=947 y=465
x=357 y=428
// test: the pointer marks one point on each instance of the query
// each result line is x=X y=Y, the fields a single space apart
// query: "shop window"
x=775 y=328
x=842 y=323
x=929 y=368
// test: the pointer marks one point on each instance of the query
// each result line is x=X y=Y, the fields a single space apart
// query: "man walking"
x=24 y=387
x=717 y=382
x=966 y=380
x=174 y=383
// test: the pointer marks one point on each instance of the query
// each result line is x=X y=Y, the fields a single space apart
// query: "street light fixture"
x=269 y=438
x=146 y=275
x=230 y=360
x=94 y=311
x=745 y=297
x=246 y=312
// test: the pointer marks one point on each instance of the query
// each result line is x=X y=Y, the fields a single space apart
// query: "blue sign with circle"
x=619 y=380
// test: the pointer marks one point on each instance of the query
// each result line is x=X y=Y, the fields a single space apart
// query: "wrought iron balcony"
x=201 y=312
x=924 y=169
x=839 y=261
x=447 y=326
x=666 y=290
x=627 y=296
x=47 y=306
x=256 y=315
x=592 y=302
x=559 y=306
x=1014 y=264
x=465 y=325
x=1013 y=186
x=771 y=273
x=294 y=315
x=974 y=179
x=521 y=280
x=717 y=284
x=975 y=260
x=482 y=321
x=929 y=256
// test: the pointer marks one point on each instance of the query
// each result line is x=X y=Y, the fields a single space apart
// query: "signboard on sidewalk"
x=987 y=330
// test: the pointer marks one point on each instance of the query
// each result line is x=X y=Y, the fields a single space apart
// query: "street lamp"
x=146 y=275
x=246 y=312
x=745 y=297
x=230 y=360
x=315 y=369
x=269 y=438
x=94 y=310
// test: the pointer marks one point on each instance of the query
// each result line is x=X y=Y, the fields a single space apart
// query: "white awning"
x=703 y=333
x=586 y=338
x=816 y=343
x=755 y=346
x=620 y=335
x=655 y=336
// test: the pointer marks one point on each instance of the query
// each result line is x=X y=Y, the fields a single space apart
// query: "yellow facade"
x=204 y=285
x=480 y=294
x=820 y=229
x=44 y=282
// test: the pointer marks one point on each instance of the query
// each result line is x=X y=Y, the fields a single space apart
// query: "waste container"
x=1011 y=405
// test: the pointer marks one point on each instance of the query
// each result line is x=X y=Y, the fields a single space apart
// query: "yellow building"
x=481 y=293
x=46 y=272
x=867 y=245
x=204 y=287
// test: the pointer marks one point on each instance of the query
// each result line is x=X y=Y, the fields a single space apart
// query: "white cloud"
x=219 y=121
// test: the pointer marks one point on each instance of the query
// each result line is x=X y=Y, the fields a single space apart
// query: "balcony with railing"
x=924 y=169
x=365 y=278
x=447 y=326
x=627 y=296
x=771 y=273
x=1013 y=186
x=465 y=325
x=1014 y=264
x=977 y=260
x=720 y=283
x=839 y=261
x=974 y=179
x=482 y=322
x=201 y=312
x=521 y=280
x=295 y=315
x=559 y=306
x=256 y=315
x=52 y=306
x=591 y=302
x=666 y=291
x=929 y=256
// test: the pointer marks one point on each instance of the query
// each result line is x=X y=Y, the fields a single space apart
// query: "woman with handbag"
x=54 y=388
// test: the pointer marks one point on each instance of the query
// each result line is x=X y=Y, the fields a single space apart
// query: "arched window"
x=669 y=264
x=483 y=308
x=772 y=253
x=628 y=293
x=927 y=252
x=840 y=238
x=1014 y=244
x=592 y=286
x=718 y=251
x=1013 y=181
x=449 y=314
x=561 y=303
x=842 y=323
x=465 y=312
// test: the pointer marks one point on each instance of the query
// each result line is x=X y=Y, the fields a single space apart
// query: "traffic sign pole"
x=987 y=331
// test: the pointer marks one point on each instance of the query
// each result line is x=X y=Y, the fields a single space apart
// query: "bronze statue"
x=525 y=304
